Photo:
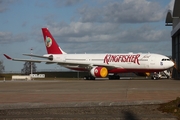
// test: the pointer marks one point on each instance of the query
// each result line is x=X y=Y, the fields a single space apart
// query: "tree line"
x=28 y=67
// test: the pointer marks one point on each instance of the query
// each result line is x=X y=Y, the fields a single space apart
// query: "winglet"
x=7 y=57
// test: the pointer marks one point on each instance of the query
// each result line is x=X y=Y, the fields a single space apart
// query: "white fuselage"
x=117 y=63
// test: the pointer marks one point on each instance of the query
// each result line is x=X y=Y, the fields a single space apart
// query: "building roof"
x=176 y=10
x=169 y=18
x=175 y=14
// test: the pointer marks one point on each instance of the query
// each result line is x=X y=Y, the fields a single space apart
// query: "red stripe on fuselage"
x=120 y=70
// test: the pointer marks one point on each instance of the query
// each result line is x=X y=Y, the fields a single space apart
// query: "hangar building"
x=173 y=19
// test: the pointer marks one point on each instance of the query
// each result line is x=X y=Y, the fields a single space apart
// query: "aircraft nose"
x=171 y=64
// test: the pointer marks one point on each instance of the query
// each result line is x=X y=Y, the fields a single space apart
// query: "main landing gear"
x=89 y=77
x=111 y=77
x=114 y=77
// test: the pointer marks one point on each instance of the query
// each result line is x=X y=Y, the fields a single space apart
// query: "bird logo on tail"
x=48 y=41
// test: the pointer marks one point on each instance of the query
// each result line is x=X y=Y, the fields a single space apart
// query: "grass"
x=172 y=107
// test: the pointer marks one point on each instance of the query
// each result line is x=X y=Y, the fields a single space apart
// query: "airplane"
x=100 y=65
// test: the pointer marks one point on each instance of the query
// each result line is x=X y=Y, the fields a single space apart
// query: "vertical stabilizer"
x=50 y=43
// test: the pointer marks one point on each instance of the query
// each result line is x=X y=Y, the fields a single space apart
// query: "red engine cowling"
x=99 y=72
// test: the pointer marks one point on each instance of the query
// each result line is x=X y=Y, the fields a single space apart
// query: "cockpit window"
x=164 y=59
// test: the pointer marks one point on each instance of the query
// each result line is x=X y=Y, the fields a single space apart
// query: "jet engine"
x=50 y=57
x=99 y=72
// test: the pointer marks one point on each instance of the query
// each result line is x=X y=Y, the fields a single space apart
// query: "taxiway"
x=73 y=93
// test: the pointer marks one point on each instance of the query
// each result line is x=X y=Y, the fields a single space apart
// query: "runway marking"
x=100 y=103
x=111 y=103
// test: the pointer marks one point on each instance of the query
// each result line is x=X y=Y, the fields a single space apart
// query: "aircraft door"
x=146 y=61
x=152 y=61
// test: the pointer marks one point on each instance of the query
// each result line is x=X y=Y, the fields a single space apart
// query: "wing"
x=85 y=65
x=65 y=63
x=39 y=56
x=30 y=60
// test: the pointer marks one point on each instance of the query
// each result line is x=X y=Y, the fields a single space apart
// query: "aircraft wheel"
x=154 y=78
x=85 y=78
x=114 y=77
x=89 y=78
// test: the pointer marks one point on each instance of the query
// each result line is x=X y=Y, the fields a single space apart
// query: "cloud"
x=4 y=4
x=24 y=24
x=128 y=11
x=83 y=32
x=42 y=4
x=171 y=5
x=61 y=3
x=162 y=47
x=144 y=33
x=50 y=17
x=94 y=32
x=5 y=37
x=8 y=37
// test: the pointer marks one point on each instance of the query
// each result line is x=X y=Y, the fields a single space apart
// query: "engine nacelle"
x=50 y=57
x=99 y=72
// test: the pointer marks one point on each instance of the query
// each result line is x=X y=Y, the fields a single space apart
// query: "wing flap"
x=29 y=60
x=39 y=56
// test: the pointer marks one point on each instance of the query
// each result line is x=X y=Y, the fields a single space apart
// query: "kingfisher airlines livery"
x=100 y=65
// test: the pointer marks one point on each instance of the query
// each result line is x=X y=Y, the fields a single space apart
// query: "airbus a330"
x=100 y=65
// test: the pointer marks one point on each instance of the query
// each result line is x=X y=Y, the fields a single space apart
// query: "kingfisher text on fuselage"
x=122 y=58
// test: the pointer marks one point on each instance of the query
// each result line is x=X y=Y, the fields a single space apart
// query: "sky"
x=83 y=26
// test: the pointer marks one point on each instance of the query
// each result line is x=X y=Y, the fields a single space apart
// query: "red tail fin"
x=51 y=45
